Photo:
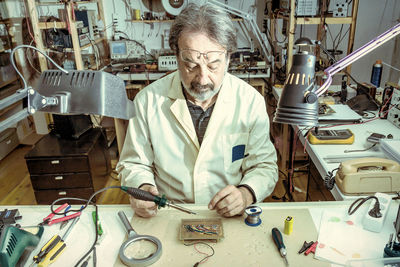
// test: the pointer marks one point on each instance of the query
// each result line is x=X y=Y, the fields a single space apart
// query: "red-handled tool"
x=48 y=220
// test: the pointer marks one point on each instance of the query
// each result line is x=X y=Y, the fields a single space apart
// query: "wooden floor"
x=16 y=187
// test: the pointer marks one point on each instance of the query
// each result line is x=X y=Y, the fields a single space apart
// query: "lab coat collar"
x=180 y=110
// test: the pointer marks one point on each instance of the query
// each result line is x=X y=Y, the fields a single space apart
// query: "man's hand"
x=231 y=201
x=145 y=208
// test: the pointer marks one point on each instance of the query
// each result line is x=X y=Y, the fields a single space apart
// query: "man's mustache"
x=198 y=86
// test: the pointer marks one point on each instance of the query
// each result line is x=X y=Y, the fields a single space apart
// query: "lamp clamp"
x=37 y=101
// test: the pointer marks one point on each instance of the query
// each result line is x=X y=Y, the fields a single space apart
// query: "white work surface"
x=82 y=235
x=328 y=157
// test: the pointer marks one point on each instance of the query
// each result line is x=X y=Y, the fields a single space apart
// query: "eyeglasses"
x=213 y=59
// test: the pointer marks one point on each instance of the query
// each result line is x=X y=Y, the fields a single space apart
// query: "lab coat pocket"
x=235 y=146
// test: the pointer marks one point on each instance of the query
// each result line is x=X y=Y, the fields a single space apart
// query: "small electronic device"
x=303 y=7
x=201 y=230
x=344 y=136
x=368 y=175
x=125 y=50
x=394 y=113
x=167 y=63
x=375 y=138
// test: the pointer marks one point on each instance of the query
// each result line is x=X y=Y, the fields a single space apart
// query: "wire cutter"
x=48 y=220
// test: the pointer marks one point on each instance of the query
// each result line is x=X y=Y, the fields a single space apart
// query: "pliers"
x=48 y=220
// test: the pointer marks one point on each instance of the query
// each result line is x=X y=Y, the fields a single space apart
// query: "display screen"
x=118 y=48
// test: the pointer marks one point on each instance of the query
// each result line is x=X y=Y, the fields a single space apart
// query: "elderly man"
x=200 y=135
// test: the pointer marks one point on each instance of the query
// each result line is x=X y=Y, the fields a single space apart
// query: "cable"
x=38 y=50
x=374 y=212
x=207 y=255
x=360 y=150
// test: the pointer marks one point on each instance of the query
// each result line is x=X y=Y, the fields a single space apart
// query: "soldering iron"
x=160 y=201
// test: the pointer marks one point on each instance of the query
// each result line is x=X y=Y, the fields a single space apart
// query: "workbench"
x=242 y=245
x=327 y=157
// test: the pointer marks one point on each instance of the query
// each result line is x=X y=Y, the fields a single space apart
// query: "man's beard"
x=201 y=92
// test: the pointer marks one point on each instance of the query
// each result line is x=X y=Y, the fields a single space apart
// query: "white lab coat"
x=161 y=146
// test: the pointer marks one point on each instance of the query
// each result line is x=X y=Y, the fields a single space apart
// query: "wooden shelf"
x=150 y=21
x=60 y=3
x=8 y=82
x=317 y=20
x=52 y=25
x=161 y=20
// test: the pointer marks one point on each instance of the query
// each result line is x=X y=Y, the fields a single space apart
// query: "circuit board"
x=201 y=229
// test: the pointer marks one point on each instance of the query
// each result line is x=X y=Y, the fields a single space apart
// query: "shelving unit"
x=70 y=24
x=9 y=84
x=282 y=133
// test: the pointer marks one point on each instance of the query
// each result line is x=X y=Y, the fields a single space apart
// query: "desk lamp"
x=254 y=29
x=70 y=92
x=298 y=103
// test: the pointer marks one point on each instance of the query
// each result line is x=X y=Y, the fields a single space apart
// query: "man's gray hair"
x=208 y=19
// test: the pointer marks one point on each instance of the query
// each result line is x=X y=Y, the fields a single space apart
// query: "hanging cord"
x=374 y=212
x=38 y=50
x=329 y=180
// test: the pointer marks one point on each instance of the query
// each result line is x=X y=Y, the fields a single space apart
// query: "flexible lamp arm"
x=359 y=53
x=250 y=19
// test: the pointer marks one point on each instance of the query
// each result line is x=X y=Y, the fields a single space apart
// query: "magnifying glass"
x=138 y=250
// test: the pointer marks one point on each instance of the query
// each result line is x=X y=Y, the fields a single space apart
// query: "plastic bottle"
x=376 y=73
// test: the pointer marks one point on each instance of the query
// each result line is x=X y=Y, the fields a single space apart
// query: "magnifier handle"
x=126 y=222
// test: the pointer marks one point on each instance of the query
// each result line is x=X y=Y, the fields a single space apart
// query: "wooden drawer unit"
x=61 y=165
x=68 y=168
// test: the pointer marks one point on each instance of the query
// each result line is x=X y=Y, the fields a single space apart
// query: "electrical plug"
x=375 y=216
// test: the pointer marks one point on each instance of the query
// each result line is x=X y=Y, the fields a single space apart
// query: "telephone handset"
x=368 y=175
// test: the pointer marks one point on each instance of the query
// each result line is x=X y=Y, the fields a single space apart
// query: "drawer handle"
x=62 y=193
x=8 y=142
x=58 y=178
x=55 y=162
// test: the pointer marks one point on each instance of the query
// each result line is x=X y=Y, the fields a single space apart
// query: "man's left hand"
x=231 y=201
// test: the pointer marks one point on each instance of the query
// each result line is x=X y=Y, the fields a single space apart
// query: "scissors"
x=48 y=220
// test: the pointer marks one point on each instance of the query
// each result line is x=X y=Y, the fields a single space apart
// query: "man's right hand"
x=145 y=208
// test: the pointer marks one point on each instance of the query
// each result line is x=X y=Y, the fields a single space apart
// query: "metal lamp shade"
x=294 y=107
x=83 y=92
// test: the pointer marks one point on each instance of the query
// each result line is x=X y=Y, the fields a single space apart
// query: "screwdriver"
x=160 y=201
x=278 y=240
x=52 y=249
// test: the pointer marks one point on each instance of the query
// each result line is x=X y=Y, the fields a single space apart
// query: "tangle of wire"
x=86 y=203
x=203 y=260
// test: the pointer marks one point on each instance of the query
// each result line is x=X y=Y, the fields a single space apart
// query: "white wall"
x=374 y=17
x=151 y=34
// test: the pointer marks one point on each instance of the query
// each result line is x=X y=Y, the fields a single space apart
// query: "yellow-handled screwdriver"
x=53 y=248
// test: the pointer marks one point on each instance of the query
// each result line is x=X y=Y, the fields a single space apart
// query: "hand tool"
x=48 y=220
x=53 y=248
x=278 y=240
x=127 y=256
x=15 y=241
x=160 y=201
x=64 y=223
